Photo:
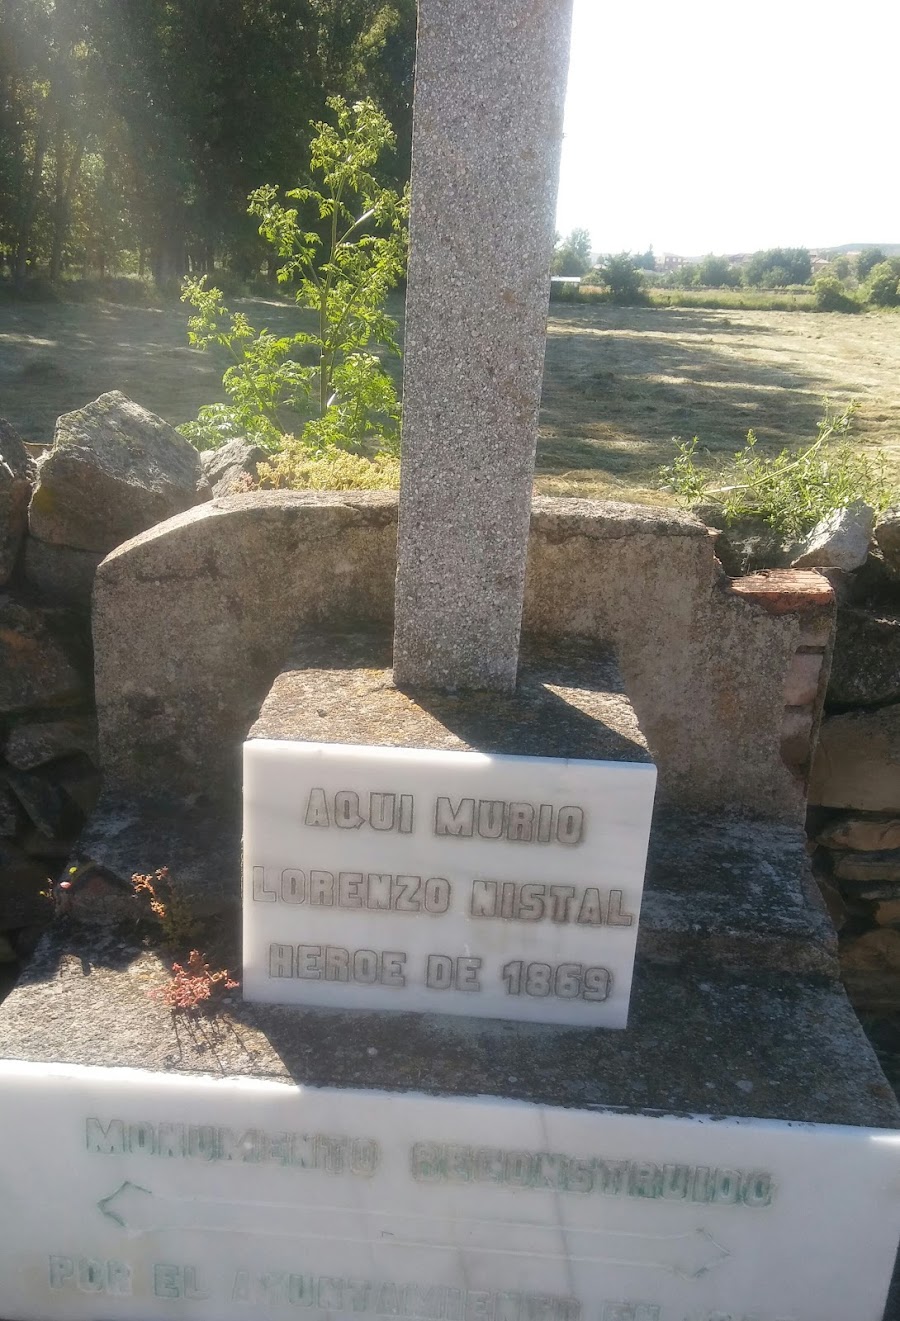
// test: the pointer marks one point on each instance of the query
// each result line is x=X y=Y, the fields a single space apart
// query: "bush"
x=623 y=279
x=790 y=492
x=881 y=286
x=831 y=296
x=296 y=469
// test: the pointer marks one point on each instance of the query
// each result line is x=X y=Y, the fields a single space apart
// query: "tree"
x=777 y=267
x=155 y=119
x=346 y=395
x=831 y=294
x=865 y=260
x=625 y=282
x=573 y=254
x=716 y=273
x=881 y=286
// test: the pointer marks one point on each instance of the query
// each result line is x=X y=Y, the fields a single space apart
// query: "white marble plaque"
x=448 y=882
x=131 y=1196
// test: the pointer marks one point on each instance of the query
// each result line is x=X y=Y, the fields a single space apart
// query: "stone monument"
x=463 y=835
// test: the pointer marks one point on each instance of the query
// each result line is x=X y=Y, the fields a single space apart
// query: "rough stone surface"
x=887 y=912
x=865 y=669
x=861 y=832
x=37 y=667
x=224 y=467
x=490 y=88
x=217 y=595
x=857 y=761
x=9 y=812
x=720 y=892
x=201 y=847
x=114 y=469
x=730 y=893
x=43 y=801
x=887 y=538
x=875 y=950
x=194 y=619
x=801 y=686
x=882 y=866
x=569 y=702
x=59 y=575
x=840 y=541
x=748 y=546
x=16 y=472
x=32 y=745
x=697 y=1042
x=699 y=657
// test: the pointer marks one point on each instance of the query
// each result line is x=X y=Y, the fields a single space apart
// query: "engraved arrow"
x=689 y=1255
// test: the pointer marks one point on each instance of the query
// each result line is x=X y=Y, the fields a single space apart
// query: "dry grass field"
x=619 y=382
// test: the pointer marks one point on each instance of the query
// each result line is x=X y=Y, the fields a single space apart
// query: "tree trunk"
x=29 y=204
x=62 y=199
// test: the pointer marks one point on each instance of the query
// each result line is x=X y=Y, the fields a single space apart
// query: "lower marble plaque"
x=138 y=1195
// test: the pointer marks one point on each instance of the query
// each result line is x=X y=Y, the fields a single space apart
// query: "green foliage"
x=831 y=294
x=327 y=379
x=790 y=491
x=881 y=288
x=759 y=300
x=295 y=468
x=132 y=131
x=865 y=261
x=716 y=273
x=623 y=279
x=572 y=255
x=777 y=267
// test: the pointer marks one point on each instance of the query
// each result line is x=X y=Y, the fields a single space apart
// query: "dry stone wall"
x=854 y=819
x=113 y=470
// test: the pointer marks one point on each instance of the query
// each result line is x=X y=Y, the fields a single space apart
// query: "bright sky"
x=721 y=126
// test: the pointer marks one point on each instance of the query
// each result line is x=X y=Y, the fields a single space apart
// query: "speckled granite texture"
x=490 y=86
x=570 y=702
x=696 y=1043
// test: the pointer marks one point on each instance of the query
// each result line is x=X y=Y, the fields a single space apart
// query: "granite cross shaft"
x=489 y=95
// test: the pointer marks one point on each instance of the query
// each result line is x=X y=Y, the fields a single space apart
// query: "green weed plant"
x=790 y=491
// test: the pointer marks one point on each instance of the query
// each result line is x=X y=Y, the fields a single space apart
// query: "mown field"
x=619 y=382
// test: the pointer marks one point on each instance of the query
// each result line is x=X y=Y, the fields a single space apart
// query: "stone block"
x=864 y=833
x=840 y=540
x=114 y=469
x=43 y=801
x=35 y=744
x=857 y=762
x=887 y=539
x=59 y=575
x=224 y=468
x=869 y=867
x=194 y=619
x=865 y=669
x=39 y=663
x=887 y=912
x=485 y=161
x=16 y=472
x=551 y=780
